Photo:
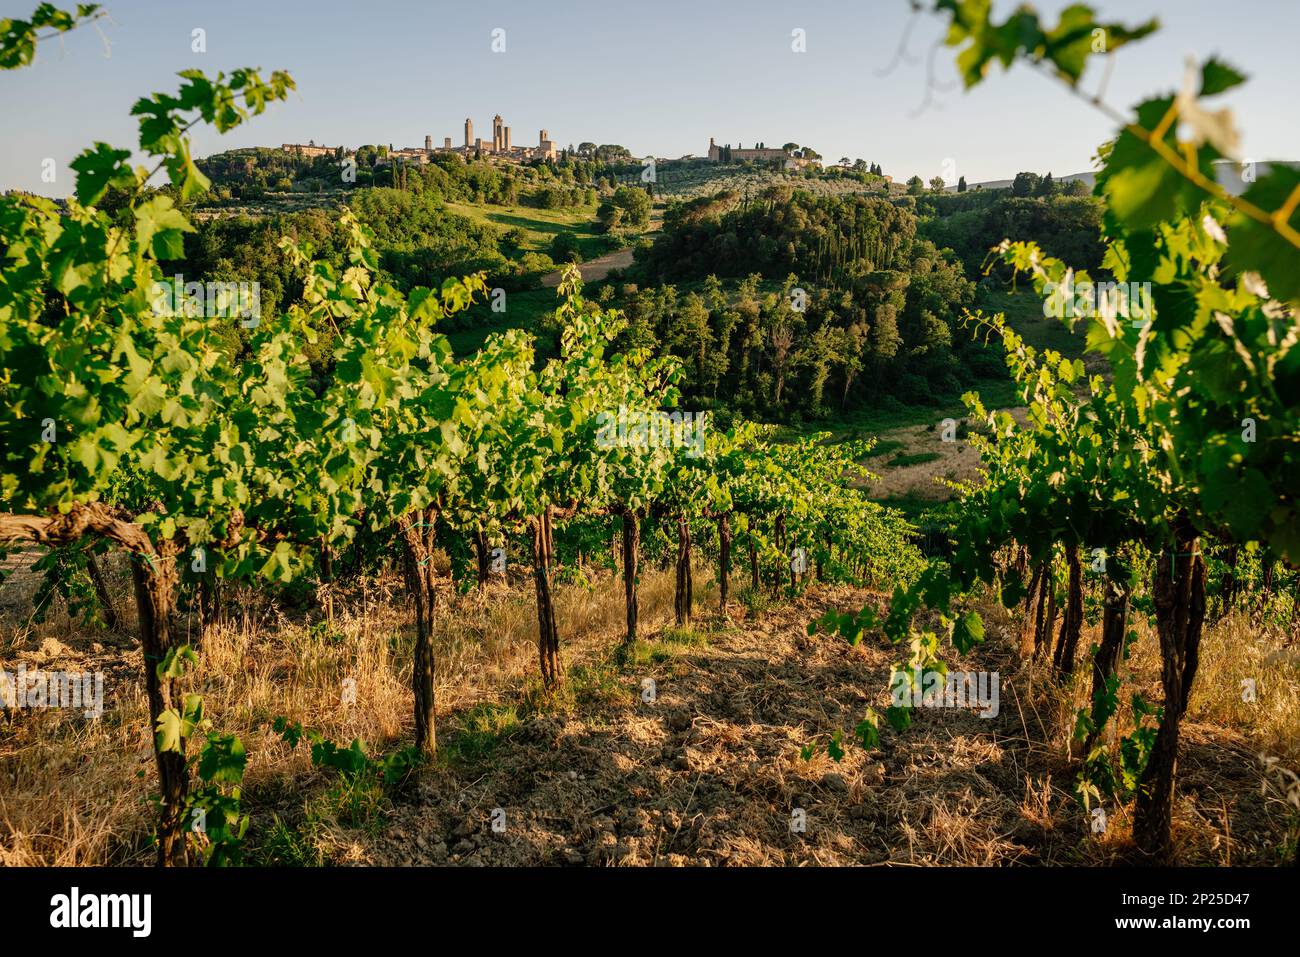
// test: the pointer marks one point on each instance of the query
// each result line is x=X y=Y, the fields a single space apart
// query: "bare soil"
x=707 y=771
x=710 y=773
x=596 y=269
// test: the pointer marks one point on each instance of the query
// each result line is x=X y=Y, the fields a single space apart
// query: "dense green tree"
x=1025 y=184
x=564 y=248
x=972 y=223
x=858 y=290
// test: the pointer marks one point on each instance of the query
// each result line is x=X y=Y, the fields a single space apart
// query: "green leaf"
x=160 y=227
x=177 y=661
x=174 y=728
x=967 y=631
x=1013 y=591
x=1249 y=503
x=1217 y=77
x=834 y=747
x=223 y=760
x=899 y=718
x=100 y=168
x=868 y=730
x=1255 y=246
x=1141 y=188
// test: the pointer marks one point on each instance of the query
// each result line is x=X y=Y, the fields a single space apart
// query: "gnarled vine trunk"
x=548 y=531
x=631 y=558
x=682 y=601
x=111 y=619
x=325 y=593
x=155 y=579
x=724 y=559
x=1045 y=618
x=417 y=530
x=482 y=557
x=1114 y=623
x=154 y=575
x=1105 y=663
x=1033 y=597
x=1067 y=642
x=1049 y=623
x=548 y=638
x=210 y=601
x=778 y=536
x=1179 y=597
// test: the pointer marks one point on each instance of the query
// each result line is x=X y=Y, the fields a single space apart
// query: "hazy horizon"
x=658 y=80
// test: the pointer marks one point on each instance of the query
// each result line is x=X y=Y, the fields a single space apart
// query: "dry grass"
x=709 y=772
x=1236 y=651
x=75 y=790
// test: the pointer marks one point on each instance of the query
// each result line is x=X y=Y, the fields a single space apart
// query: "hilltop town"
x=502 y=147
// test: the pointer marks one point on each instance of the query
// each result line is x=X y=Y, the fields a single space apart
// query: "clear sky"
x=658 y=77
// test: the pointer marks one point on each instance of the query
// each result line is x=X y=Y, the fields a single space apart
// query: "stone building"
x=309 y=150
x=739 y=154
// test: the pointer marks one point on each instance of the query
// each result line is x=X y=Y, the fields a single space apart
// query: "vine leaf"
x=99 y=169
x=1254 y=245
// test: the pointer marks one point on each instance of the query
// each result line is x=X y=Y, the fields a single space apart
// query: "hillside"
x=1087 y=179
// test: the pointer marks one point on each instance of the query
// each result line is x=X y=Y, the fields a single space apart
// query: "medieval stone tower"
x=469 y=132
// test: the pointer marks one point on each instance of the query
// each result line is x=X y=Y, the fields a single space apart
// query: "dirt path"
x=710 y=771
x=705 y=772
x=595 y=269
x=933 y=461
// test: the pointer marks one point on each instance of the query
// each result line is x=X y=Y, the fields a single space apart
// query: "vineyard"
x=313 y=548
x=126 y=428
x=1186 y=456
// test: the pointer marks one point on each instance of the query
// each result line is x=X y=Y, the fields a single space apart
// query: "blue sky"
x=658 y=77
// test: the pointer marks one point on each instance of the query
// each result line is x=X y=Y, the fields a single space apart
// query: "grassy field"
x=540 y=226
x=524 y=310
x=1024 y=312
x=866 y=422
x=910 y=458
